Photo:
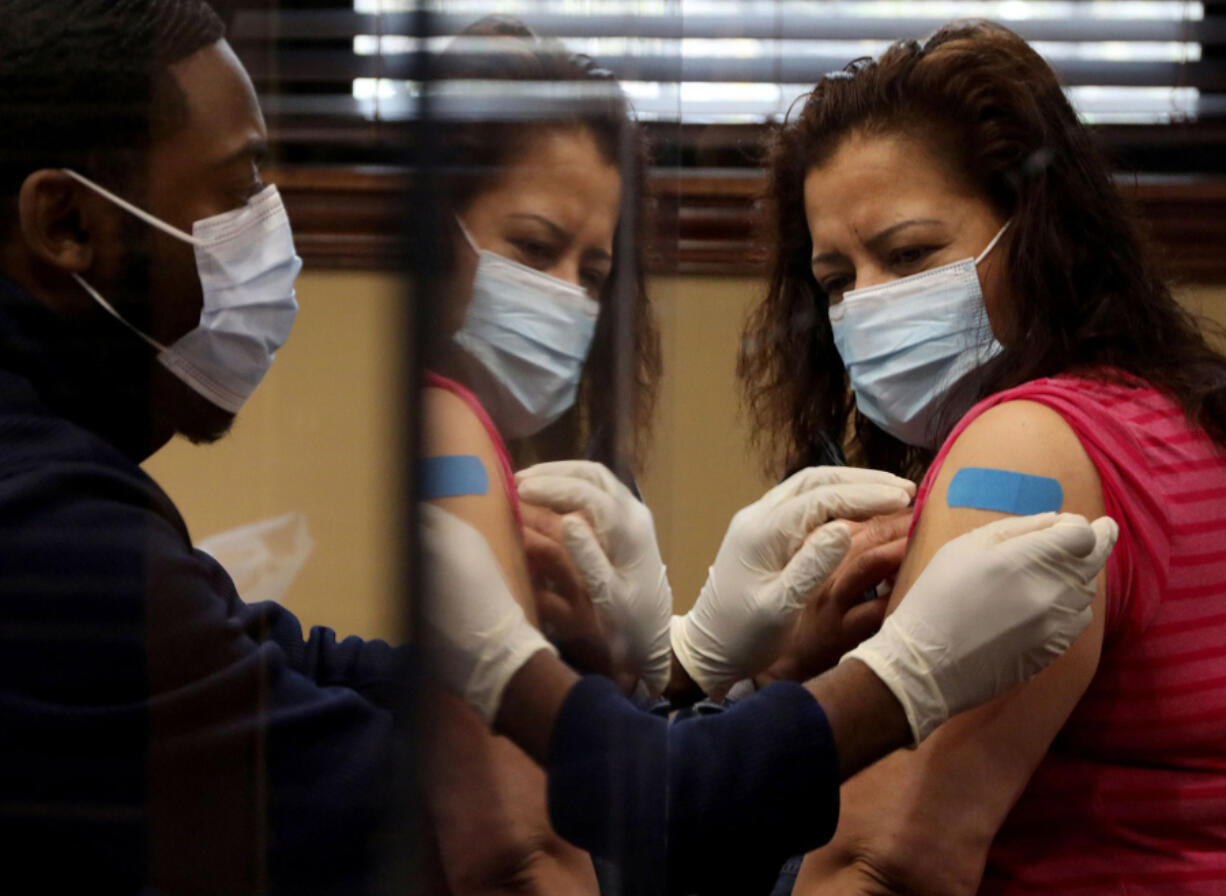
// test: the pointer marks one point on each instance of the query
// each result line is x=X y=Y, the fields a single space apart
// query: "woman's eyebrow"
x=828 y=258
x=556 y=230
x=884 y=235
x=598 y=255
x=561 y=235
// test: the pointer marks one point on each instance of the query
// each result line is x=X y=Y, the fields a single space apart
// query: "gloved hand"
x=772 y=560
x=475 y=634
x=611 y=540
x=841 y=614
x=993 y=607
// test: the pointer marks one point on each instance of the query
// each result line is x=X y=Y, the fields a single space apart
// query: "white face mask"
x=524 y=340
x=906 y=342
x=247 y=266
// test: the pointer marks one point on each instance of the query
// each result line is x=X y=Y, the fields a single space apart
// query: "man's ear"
x=55 y=222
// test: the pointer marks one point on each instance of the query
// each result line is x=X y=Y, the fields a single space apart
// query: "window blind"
x=339 y=79
x=341 y=82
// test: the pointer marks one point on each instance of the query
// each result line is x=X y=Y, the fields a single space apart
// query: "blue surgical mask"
x=907 y=342
x=247 y=266
x=523 y=343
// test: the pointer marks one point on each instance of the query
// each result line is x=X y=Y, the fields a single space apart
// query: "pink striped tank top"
x=1131 y=798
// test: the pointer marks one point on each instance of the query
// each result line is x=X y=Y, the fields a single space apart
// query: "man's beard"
x=189 y=414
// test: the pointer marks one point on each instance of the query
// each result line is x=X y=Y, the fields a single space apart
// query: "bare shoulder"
x=1023 y=436
x=453 y=429
x=1026 y=434
x=1014 y=437
x=450 y=425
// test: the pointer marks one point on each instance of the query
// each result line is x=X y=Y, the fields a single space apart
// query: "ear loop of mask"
x=468 y=236
x=115 y=314
x=149 y=219
x=992 y=245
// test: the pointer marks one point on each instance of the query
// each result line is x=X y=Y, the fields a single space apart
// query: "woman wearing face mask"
x=527 y=357
x=529 y=328
x=533 y=209
x=536 y=209
x=951 y=247
x=521 y=371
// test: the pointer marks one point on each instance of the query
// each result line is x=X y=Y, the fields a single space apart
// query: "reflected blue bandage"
x=1004 y=491
x=453 y=476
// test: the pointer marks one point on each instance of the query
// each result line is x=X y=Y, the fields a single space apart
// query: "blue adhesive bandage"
x=1004 y=491
x=453 y=476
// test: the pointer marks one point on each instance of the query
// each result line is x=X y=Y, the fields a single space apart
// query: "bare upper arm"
x=486 y=796
x=451 y=428
x=922 y=820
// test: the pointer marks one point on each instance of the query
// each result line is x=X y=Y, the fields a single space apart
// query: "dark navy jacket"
x=156 y=731
x=153 y=728
x=710 y=805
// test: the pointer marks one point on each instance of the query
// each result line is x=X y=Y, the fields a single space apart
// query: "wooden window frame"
x=705 y=221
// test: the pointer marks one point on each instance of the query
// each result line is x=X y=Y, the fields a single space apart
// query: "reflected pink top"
x=435 y=381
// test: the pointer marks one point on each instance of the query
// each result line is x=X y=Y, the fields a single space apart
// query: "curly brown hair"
x=608 y=423
x=1090 y=298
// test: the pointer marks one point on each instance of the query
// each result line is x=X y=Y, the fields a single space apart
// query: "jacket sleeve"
x=157 y=731
x=714 y=804
x=373 y=668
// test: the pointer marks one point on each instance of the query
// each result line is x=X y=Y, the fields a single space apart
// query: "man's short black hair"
x=84 y=83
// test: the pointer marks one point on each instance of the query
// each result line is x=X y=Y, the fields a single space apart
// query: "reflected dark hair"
x=85 y=84
x=477 y=153
x=1088 y=297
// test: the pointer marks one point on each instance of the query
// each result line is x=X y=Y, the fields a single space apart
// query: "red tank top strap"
x=436 y=381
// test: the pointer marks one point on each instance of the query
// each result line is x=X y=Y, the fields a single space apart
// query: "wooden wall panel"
x=706 y=220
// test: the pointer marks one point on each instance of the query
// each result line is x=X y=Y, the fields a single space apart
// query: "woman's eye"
x=910 y=255
x=837 y=284
x=593 y=281
x=533 y=251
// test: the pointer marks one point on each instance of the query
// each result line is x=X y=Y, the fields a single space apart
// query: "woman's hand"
x=610 y=540
x=838 y=617
x=777 y=554
x=568 y=616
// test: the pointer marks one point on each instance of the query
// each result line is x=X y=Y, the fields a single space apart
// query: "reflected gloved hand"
x=775 y=555
x=993 y=608
x=611 y=540
x=564 y=608
x=474 y=633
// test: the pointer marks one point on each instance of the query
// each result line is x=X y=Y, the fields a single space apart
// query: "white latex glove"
x=772 y=560
x=475 y=633
x=611 y=540
x=993 y=607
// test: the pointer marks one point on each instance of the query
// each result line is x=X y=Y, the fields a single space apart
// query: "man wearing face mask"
x=158 y=733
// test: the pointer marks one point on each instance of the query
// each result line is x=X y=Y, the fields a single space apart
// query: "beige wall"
x=1208 y=302
x=320 y=437
x=701 y=469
